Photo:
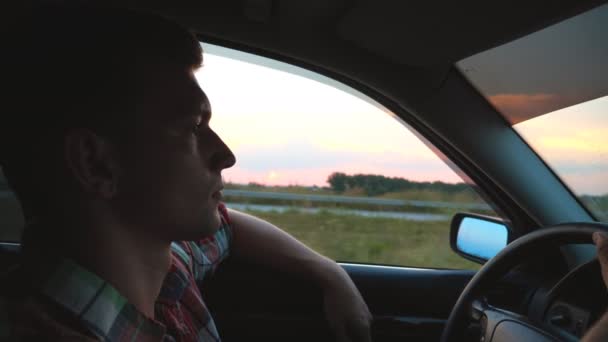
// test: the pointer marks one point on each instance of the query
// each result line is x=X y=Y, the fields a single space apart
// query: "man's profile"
x=107 y=145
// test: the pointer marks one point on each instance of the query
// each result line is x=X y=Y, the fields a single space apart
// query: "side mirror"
x=478 y=238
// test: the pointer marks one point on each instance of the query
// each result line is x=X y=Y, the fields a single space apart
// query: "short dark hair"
x=66 y=66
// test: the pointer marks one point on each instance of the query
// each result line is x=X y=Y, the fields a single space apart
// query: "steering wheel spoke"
x=496 y=324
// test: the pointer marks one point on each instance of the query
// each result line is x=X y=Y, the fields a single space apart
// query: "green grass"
x=356 y=206
x=462 y=197
x=383 y=241
x=466 y=196
x=341 y=237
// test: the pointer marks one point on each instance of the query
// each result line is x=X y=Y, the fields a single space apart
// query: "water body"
x=366 y=213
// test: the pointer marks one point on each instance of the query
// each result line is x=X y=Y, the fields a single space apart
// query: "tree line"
x=374 y=185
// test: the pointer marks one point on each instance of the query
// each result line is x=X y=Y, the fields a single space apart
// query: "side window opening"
x=331 y=166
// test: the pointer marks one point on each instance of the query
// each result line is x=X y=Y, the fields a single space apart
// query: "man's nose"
x=228 y=160
x=223 y=158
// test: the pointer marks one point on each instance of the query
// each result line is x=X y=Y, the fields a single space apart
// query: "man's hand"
x=599 y=331
x=345 y=310
x=601 y=242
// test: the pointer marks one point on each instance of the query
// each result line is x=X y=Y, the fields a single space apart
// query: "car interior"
x=543 y=286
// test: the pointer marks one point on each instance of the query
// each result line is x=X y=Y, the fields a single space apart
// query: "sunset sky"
x=287 y=129
x=574 y=141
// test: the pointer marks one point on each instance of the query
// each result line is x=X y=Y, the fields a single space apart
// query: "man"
x=107 y=145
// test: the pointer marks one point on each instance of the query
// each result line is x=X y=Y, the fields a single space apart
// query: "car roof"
x=430 y=34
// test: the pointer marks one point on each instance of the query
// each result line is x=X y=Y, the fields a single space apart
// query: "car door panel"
x=407 y=303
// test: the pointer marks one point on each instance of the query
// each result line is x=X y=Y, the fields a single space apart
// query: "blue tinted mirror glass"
x=481 y=238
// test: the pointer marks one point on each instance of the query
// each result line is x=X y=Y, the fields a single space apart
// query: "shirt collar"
x=177 y=279
x=98 y=304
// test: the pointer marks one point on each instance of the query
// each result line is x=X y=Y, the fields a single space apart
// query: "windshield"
x=552 y=86
x=574 y=141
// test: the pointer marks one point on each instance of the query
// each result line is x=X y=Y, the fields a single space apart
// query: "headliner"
x=415 y=34
x=400 y=49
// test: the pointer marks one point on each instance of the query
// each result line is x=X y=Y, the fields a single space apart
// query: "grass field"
x=372 y=240
x=466 y=198
x=342 y=237
x=352 y=238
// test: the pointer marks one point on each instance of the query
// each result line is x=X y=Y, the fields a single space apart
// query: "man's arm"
x=599 y=331
x=265 y=244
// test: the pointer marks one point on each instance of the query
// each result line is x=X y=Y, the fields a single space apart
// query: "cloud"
x=520 y=107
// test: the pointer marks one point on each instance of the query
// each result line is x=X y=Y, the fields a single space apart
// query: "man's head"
x=102 y=115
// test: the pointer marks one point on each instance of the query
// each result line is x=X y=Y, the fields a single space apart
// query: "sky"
x=574 y=141
x=293 y=127
x=287 y=129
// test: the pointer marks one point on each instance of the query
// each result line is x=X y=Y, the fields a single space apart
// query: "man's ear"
x=92 y=161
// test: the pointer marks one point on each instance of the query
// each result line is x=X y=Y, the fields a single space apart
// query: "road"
x=352 y=200
x=366 y=213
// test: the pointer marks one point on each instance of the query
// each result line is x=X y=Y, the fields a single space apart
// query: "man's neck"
x=133 y=263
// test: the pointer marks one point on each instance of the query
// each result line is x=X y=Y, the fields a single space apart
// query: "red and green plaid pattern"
x=181 y=314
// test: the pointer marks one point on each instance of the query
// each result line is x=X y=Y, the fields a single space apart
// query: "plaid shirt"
x=74 y=304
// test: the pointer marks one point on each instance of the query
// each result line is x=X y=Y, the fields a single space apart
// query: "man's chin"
x=196 y=228
x=208 y=227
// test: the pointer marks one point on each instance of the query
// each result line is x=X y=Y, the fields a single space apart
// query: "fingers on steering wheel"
x=601 y=242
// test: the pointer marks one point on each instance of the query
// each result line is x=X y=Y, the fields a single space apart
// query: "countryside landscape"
x=355 y=218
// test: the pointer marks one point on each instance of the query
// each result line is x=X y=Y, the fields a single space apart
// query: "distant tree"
x=374 y=185
x=338 y=181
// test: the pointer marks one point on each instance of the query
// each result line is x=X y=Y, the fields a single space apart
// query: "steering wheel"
x=502 y=325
